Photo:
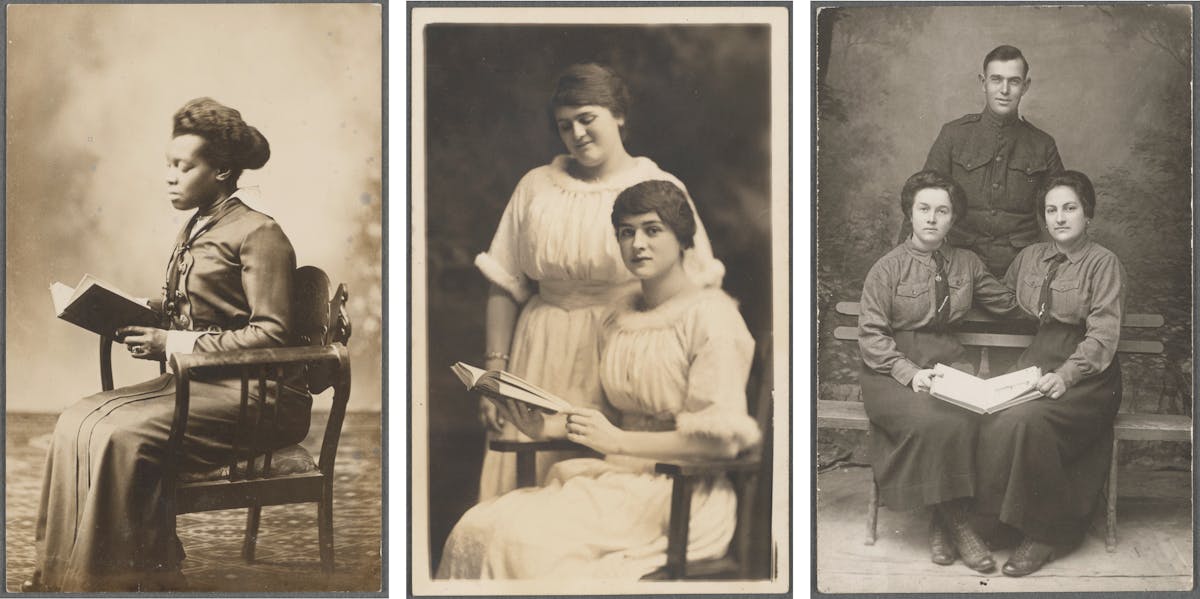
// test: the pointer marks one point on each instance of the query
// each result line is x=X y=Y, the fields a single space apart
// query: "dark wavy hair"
x=933 y=180
x=663 y=198
x=1004 y=54
x=591 y=84
x=229 y=143
x=1077 y=182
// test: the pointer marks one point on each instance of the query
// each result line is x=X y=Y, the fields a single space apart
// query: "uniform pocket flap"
x=969 y=160
x=1064 y=284
x=958 y=281
x=911 y=289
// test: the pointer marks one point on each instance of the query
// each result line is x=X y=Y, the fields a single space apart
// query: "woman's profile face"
x=649 y=247
x=191 y=181
x=1065 y=219
x=590 y=133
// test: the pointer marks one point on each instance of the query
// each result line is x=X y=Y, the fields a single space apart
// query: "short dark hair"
x=663 y=198
x=1005 y=53
x=933 y=180
x=1077 y=182
x=591 y=84
x=229 y=143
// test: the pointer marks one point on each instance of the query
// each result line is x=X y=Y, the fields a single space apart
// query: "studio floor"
x=287 y=558
x=1154 y=544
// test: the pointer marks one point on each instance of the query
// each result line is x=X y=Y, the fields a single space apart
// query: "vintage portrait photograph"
x=600 y=300
x=1004 y=296
x=193 y=272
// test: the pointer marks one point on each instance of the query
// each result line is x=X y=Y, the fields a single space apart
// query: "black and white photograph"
x=194 y=244
x=600 y=299
x=1004 y=298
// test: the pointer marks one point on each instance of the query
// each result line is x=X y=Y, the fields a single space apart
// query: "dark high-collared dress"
x=922 y=448
x=101 y=521
x=1042 y=464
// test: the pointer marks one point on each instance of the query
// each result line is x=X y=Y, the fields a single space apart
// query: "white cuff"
x=182 y=342
x=496 y=273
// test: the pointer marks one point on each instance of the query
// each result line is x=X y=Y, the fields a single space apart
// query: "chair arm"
x=520 y=446
x=181 y=362
x=688 y=468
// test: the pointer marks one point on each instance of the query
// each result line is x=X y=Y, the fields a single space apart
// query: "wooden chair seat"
x=292 y=459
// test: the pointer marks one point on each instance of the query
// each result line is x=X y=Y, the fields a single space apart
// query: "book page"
x=89 y=280
x=469 y=375
x=1014 y=384
x=61 y=295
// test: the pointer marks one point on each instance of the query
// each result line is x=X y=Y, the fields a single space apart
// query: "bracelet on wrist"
x=495 y=355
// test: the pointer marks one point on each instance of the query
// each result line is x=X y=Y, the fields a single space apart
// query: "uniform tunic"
x=1042 y=464
x=922 y=448
x=999 y=163
x=555 y=252
x=101 y=522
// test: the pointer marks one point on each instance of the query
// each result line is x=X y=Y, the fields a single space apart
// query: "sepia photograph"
x=1004 y=298
x=600 y=299
x=194 y=202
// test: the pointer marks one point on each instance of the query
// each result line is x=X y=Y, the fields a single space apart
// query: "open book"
x=100 y=307
x=506 y=385
x=985 y=396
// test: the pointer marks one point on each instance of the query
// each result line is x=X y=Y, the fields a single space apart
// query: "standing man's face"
x=1004 y=82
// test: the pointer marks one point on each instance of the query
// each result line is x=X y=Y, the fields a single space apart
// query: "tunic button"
x=993 y=212
x=999 y=159
x=995 y=186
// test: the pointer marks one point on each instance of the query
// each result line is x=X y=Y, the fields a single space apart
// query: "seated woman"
x=1042 y=464
x=674 y=363
x=102 y=523
x=922 y=448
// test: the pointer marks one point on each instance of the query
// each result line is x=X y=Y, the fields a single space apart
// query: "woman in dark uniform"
x=1042 y=464
x=102 y=524
x=923 y=449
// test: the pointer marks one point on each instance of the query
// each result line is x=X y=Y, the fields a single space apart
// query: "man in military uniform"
x=999 y=159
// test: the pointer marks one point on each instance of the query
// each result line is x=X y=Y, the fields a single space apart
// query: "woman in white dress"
x=674 y=362
x=554 y=264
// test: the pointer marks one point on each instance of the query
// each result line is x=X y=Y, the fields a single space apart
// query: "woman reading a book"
x=553 y=263
x=1042 y=464
x=101 y=522
x=674 y=362
x=923 y=448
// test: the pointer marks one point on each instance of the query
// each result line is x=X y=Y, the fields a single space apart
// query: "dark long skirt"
x=101 y=522
x=922 y=448
x=1042 y=464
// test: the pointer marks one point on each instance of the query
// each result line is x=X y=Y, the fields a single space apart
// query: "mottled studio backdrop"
x=1111 y=84
x=700 y=110
x=91 y=91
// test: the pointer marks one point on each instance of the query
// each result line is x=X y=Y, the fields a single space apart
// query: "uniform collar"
x=1073 y=256
x=924 y=256
x=998 y=122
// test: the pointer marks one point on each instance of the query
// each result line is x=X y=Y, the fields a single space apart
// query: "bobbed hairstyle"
x=229 y=143
x=933 y=180
x=590 y=84
x=1004 y=54
x=663 y=198
x=1077 y=182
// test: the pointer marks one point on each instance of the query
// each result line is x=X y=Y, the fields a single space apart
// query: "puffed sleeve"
x=720 y=356
x=1103 y=322
x=501 y=263
x=876 y=343
x=267 y=264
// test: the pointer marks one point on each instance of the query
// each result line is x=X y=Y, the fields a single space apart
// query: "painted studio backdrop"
x=700 y=110
x=1110 y=83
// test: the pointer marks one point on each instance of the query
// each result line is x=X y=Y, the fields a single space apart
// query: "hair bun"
x=255 y=151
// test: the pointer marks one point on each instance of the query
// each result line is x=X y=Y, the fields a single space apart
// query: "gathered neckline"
x=643 y=168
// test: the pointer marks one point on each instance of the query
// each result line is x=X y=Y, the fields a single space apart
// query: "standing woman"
x=101 y=522
x=554 y=263
x=1043 y=463
x=922 y=448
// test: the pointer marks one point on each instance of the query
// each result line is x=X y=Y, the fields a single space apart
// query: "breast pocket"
x=1028 y=291
x=961 y=296
x=1024 y=175
x=913 y=300
x=1067 y=296
x=967 y=169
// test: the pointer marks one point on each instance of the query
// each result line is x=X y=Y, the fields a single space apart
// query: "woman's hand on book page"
x=146 y=343
x=1051 y=385
x=490 y=416
x=923 y=380
x=592 y=428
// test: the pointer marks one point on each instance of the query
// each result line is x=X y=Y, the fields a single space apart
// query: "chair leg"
x=872 y=511
x=1110 y=539
x=253 y=515
x=325 y=532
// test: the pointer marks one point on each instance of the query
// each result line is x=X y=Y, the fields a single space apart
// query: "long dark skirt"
x=922 y=448
x=101 y=522
x=1042 y=464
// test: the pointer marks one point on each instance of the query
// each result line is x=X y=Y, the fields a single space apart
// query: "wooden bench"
x=841 y=414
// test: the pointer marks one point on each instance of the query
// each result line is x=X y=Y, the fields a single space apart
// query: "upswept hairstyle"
x=229 y=142
x=663 y=198
x=590 y=84
x=1077 y=182
x=1003 y=54
x=933 y=180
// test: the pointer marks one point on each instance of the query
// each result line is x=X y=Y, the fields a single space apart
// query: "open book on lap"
x=100 y=307
x=985 y=396
x=506 y=385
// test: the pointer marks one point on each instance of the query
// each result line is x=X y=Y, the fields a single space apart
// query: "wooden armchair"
x=249 y=480
x=750 y=553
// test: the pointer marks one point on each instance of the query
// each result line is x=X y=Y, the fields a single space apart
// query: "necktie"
x=1044 y=297
x=942 y=283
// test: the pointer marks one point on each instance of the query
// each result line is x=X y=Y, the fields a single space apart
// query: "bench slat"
x=1128 y=346
x=1145 y=321
x=1128 y=427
